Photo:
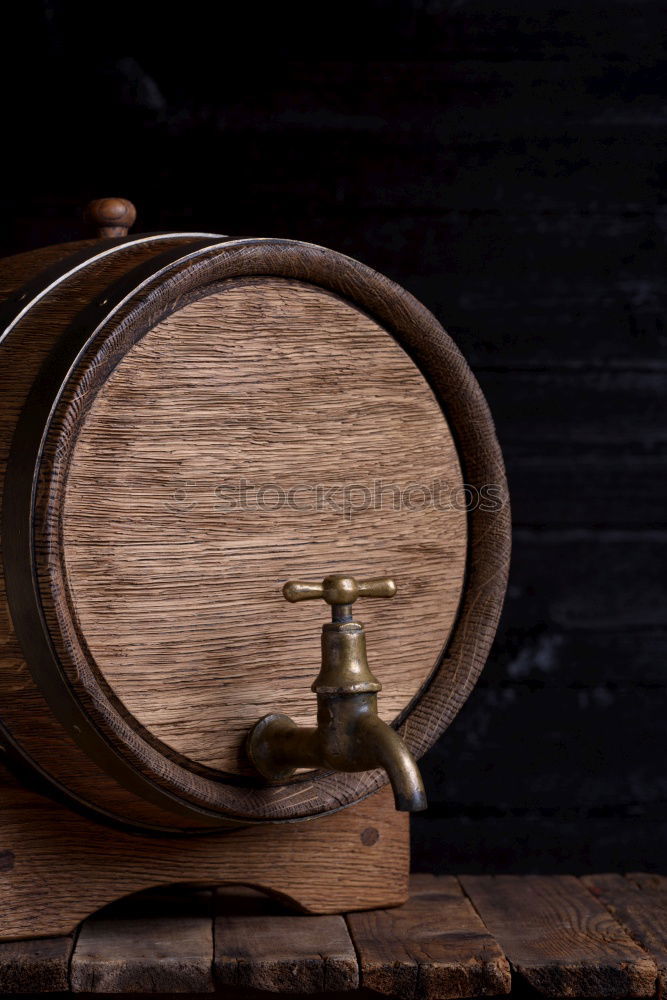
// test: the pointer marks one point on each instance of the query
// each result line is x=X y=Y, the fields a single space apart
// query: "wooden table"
x=471 y=936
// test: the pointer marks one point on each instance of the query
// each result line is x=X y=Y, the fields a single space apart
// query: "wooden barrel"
x=186 y=422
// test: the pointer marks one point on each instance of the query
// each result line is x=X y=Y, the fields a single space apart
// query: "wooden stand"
x=57 y=867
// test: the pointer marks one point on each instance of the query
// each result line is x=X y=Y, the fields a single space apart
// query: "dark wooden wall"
x=506 y=163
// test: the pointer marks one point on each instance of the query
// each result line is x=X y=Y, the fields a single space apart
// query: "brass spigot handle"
x=338 y=589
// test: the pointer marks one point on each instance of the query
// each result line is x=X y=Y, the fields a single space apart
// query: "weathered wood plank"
x=603 y=410
x=394 y=174
x=155 y=943
x=596 y=489
x=479 y=761
x=649 y=880
x=433 y=947
x=521 y=257
x=369 y=92
x=258 y=945
x=559 y=939
x=483 y=836
x=546 y=655
x=587 y=578
x=556 y=284
x=642 y=911
x=39 y=966
x=577 y=444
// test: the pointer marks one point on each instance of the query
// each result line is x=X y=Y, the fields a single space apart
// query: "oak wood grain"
x=65 y=866
x=435 y=946
x=639 y=903
x=558 y=938
x=176 y=584
x=258 y=945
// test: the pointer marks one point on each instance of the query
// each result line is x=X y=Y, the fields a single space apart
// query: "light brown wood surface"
x=559 y=939
x=288 y=387
x=64 y=866
x=434 y=947
x=258 y=945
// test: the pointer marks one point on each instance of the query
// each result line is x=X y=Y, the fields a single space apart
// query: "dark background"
x=505 y=163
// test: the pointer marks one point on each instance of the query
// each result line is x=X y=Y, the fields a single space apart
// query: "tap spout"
x=392 y=754
x=349 y=736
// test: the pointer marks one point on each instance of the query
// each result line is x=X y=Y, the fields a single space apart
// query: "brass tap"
x=349 y=736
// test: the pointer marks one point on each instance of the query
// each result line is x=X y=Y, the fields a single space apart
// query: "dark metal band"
x=35 y=777
x=16 y=305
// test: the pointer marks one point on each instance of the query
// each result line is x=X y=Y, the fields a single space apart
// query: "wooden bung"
x=111 y=216
x=186 y=422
